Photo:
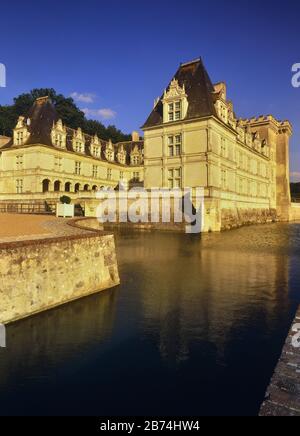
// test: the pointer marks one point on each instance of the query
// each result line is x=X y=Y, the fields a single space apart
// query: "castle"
x=192 y=138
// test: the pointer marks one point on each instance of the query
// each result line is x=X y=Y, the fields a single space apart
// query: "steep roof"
x=199 y=89
x=42 y=115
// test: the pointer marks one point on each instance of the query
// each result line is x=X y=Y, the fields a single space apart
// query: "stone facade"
x=46 y=158
x=40 y=274
x=194 y=139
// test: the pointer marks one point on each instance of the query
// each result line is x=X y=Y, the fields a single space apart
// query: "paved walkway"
x=14 y=227
x=283 y=396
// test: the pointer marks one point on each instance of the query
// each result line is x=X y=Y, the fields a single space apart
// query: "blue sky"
x=118 y=55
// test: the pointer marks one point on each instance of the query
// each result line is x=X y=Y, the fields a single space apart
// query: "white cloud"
x=295 y=176
x=103 y=114
x=84 y=97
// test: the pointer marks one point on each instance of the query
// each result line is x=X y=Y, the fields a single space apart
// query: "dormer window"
x=109 y=152
x=21 y=133
x=174 y=111
x=135 y=158
x=78 y=147
x=95 y=147
x=78 y=141
x=121 y=155
x=59 y=135
x=175 y=103
x=109 y=155
x=96 y=150
x=20 y=138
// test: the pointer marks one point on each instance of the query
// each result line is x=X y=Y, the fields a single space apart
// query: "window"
x=241 y=160
x=96 y=151
x=57 y=163
x=136 y=176
x=174 y=145
x=223 y=179
x=178 y=145
x=171 y=146
x=223 y=147
x=19 y=161
x=19 y=186
x=109 y=155
x=77 y=168
x=78 y=147
x=174 y=178
x=174 y=111
x=121 y=175
x=109 y=174
x=240 y=185
x=20 y=138
x=58 y=140
x=135 y=159
x=122 y=157
x=95 y=171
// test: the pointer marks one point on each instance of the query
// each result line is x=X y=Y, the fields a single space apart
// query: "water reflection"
x=195 y=328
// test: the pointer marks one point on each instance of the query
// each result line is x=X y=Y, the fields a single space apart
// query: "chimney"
x=135 y=136
x=42 y=100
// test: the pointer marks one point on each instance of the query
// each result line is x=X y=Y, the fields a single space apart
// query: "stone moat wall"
x=234 y=218
x=295 y=212
x=41 y=274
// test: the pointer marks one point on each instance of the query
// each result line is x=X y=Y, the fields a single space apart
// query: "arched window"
x=86 y=187
x=95 y=188
x=57 y=186
x=68 y=187
x=46 y=184
x=77 y=187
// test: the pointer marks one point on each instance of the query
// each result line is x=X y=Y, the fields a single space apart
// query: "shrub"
x=65 y=199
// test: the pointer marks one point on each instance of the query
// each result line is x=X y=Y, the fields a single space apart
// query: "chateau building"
x=45 y=158
x=192 y=138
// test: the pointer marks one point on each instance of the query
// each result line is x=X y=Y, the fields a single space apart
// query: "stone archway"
x=46 y=185
x=57 y=185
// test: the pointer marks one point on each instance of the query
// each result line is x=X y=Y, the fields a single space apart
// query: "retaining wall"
x=41 y=274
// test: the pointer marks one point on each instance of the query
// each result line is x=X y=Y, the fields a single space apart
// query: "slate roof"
x=199 y=89
x=43 y=115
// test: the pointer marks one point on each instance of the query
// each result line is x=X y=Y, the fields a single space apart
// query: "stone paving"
x=283 y=395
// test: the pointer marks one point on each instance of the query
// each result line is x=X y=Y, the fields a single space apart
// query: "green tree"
x=67 y=110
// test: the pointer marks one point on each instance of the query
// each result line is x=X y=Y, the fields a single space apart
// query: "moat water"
x=196 y=328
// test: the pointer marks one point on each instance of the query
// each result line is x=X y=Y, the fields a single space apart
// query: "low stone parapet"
x=36 y=275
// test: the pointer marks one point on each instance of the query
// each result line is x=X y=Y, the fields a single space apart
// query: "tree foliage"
x=67 y=110
x=295 y=188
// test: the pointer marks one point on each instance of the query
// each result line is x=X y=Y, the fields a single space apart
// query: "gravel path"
x=14 y=227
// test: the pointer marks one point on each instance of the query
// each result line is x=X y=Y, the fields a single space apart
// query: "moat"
x=195 y=328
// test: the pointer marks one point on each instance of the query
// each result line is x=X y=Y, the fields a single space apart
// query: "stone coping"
x=283 y=395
